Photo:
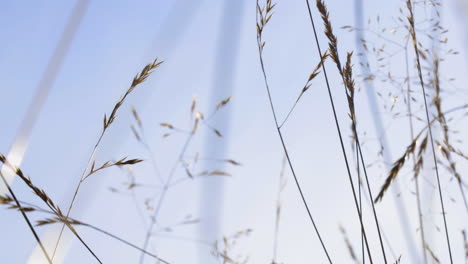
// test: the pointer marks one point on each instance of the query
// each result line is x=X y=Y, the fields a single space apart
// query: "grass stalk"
x=140 y=78
x=263 y=15
x=41 y=194
x=335 y=58
x=418 y=66
x=28 y=222
x=416 y=179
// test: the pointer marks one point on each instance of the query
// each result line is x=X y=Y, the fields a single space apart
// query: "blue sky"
x=115 y=41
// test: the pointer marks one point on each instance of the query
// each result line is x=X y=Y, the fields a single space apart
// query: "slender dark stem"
x=360 y=203
x=387 y=242
x=33 y=231
x=127 y=243
x=87 y=247
x=354 y=129
x=363 y=61
x=49 y=204
x=259 y=42
x=339 y=131
x=40 y=209
x=418 y=66
x=290 y=111
x=416 y=179
x=371 y=197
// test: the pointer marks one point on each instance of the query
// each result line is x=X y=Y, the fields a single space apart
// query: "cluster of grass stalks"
x=435 y=138
x=55 y=215
x=427 y=76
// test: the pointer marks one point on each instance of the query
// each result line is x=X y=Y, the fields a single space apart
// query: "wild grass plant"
x=416 y=93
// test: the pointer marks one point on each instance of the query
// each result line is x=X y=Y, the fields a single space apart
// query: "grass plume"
x=412 y=32
x=348 y=80
x=107 y=121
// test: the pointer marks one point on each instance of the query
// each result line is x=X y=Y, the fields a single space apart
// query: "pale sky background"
x=202 y=44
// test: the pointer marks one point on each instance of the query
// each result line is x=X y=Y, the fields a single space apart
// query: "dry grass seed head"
x=397 y=166
x=139 y=78
x=223 y=103
x=137 y=117
x=349 y=245
x=135 y=133
x=107 y=164
x=264 y=15
x=36 y=190
x=432 y=254
x=350 y=89
x=420 y=159
x=332 y=40
x=314 y=73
